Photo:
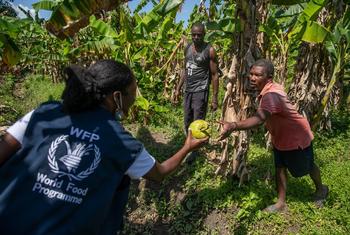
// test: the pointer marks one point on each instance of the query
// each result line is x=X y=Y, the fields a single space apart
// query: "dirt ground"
x=142 y=216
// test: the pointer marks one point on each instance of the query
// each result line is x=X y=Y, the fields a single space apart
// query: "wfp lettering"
x=53 y=188
x=66 y=165
x=84 y=135
x=49 y=182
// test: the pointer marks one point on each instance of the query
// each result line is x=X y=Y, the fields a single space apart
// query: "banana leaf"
x=142 y=52
x=315 y=33
x=165 y=28
x=45 y=5
x=308 y=15
x=142 y=103
x=69 y=16
x=11 y=54
x=313 y=8
x=225 y=25
x=167 y=6
x=125 y=26
x=287 y=2
x=102 y=28
x=8 y=27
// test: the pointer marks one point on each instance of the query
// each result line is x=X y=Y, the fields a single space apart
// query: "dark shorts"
x=195 y=106
x=299 y=162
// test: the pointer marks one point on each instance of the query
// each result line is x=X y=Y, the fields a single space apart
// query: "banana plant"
x=68 y=16
x=127 y=42
x=289 y=24
x=302 y=24
x=310 y=37
x=338 y=46
x=222 y=26
x=9 y=30
x=306 y=26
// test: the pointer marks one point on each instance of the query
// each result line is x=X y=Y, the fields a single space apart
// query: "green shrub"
x=39 y=89
x=8 y=112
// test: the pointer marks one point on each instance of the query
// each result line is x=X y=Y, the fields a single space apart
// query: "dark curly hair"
x=267 y=64
x=87 y=88
x=198 y=24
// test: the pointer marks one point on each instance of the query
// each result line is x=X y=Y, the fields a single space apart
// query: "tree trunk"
x=238 y=103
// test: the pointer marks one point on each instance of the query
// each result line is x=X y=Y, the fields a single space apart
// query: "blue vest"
x=67 y=177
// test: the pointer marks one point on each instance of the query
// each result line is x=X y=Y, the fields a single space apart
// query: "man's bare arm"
x=214 y=78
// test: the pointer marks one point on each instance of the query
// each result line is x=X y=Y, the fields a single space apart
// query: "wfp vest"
x=66 y=177
x=197 y=69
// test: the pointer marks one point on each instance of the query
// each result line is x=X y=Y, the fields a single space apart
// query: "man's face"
x=258 y=77
x=197 y=34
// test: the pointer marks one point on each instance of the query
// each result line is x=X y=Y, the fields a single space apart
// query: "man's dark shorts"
x=195 y=106
x=299 y=162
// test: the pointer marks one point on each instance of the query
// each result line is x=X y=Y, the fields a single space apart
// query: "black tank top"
x=197 y=69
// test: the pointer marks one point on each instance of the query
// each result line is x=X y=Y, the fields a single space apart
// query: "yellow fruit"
x=199 y=129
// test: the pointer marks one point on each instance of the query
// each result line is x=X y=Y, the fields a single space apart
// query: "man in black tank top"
x=200 y=70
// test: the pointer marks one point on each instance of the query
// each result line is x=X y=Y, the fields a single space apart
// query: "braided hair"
x=87 y=88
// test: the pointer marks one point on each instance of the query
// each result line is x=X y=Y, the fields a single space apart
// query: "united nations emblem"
x=72 y=158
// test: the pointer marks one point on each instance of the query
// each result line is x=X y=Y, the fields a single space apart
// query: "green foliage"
x=147 y=43
x=220 y=30
x=9 y=29
x=288 y=2
x=42 y=53
x=188 y=200
x=39 y=89
x=8 y=113
x=141 y=4
x=305 y=26
x=314 y=33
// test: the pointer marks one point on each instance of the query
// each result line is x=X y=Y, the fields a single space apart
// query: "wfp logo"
x=72 y=158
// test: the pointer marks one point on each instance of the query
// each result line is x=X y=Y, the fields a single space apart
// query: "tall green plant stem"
x=171 y=56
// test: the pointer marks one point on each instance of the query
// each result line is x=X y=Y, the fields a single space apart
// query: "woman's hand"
x=160 y=170
x=227 y=129
x=192 y=143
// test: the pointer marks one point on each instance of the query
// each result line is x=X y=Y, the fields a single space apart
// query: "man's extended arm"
x=214 y=78
x=249 y=123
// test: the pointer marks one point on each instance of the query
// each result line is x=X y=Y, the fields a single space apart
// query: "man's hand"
x=227 y=129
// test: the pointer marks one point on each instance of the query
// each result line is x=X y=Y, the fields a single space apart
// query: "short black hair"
x=267 y=64
x=198 y=24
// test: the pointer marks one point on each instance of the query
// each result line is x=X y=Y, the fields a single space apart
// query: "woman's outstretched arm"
x=8 y=147
x=160 y=170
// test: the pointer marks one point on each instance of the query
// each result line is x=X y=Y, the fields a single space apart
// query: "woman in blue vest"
x=66 y=166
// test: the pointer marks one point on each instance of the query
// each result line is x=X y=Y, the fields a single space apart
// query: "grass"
x=24 y=95
x=186 y=201
x=38 y=89
x=196 y=201
x=8 y=113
